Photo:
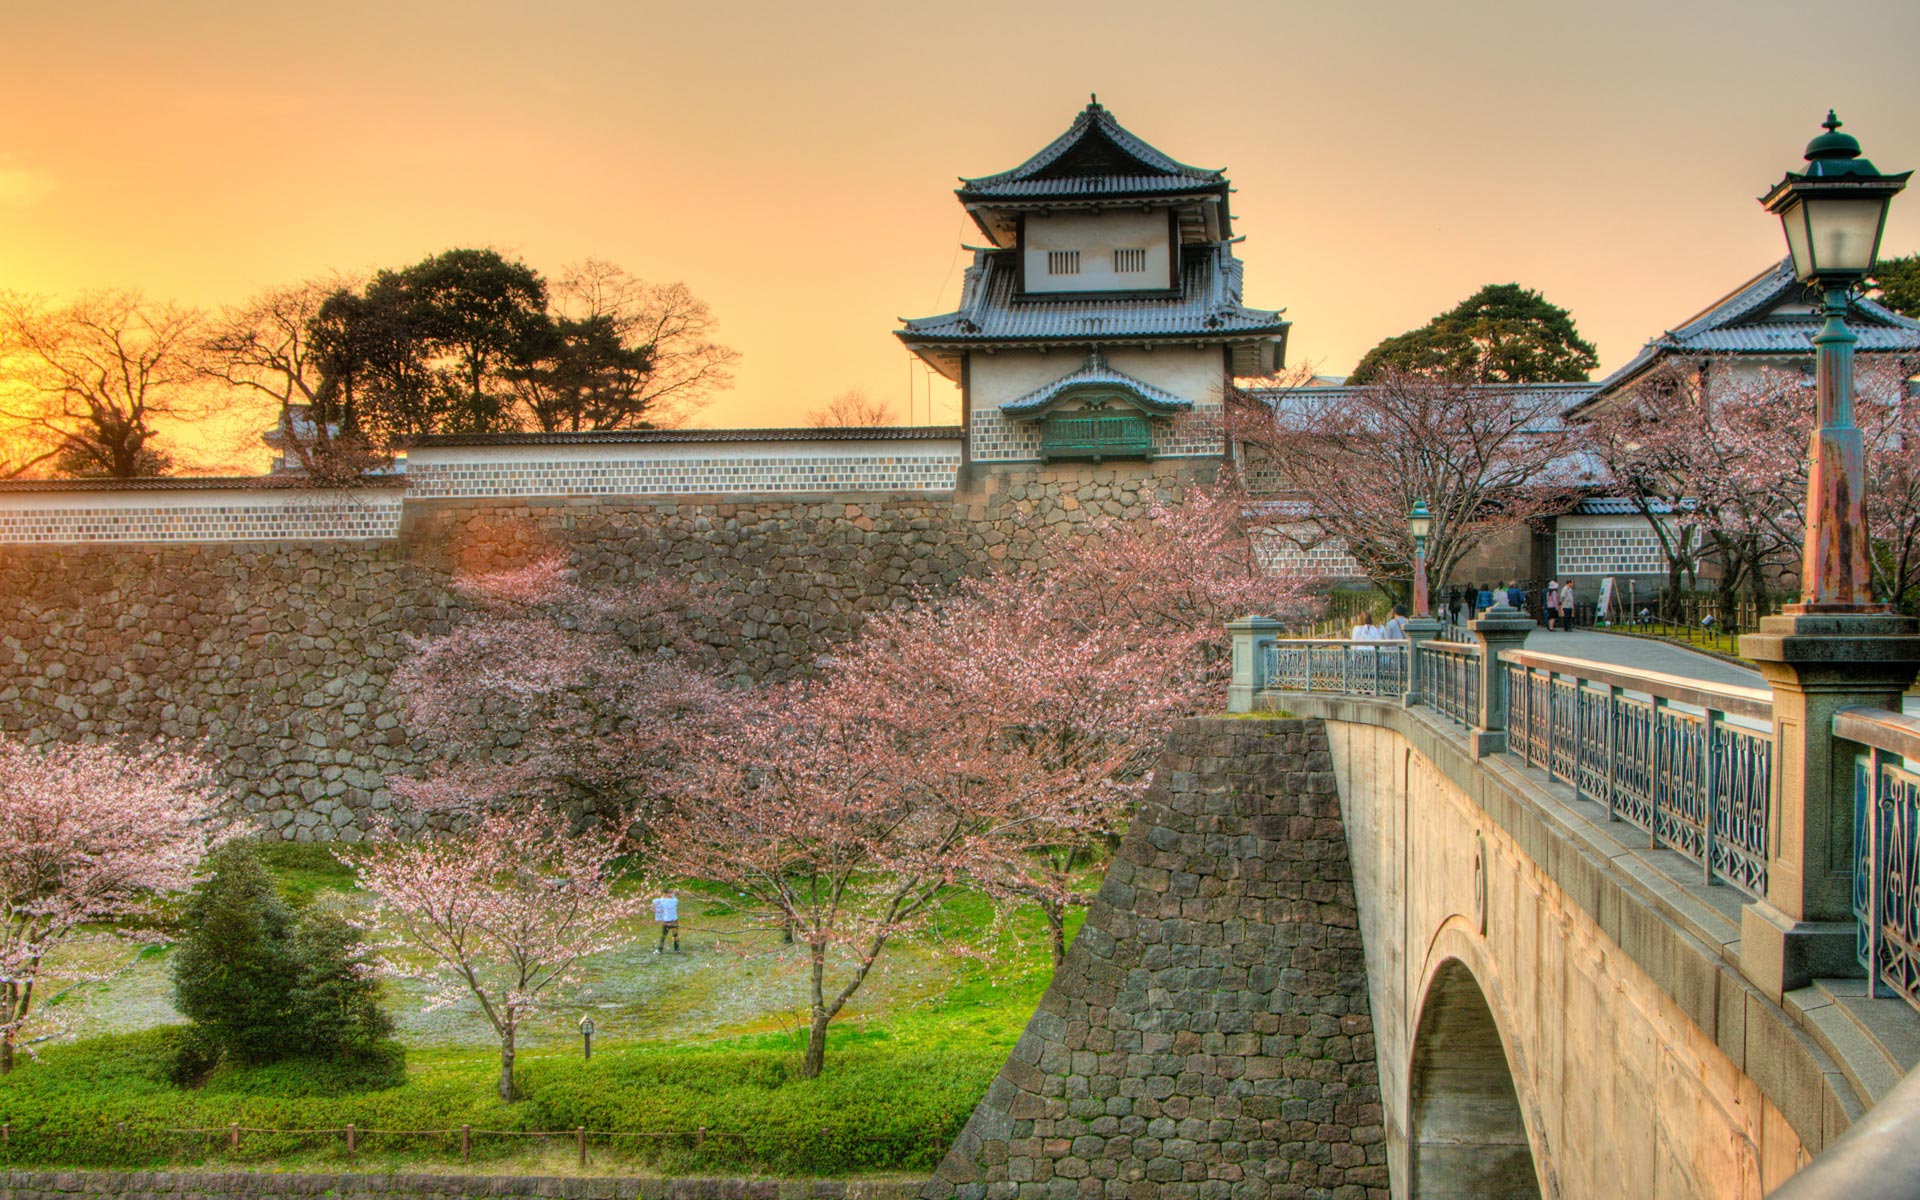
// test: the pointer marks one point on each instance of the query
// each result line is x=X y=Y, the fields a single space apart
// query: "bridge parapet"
x=1676 y=785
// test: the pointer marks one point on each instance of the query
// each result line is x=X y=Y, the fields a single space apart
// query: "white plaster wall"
x=1196 y=373
x=1623 y=1096
x=212 y=514
x=1097 y=236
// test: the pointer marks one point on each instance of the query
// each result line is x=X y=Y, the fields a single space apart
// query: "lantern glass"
x=1794 y=220
x=1843 y=233
x=1420 y=521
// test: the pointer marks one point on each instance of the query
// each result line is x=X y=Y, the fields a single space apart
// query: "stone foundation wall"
x=1208 y=1037
x=273 y=657
x=194 y=1185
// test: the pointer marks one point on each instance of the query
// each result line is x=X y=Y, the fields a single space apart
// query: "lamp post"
x=1836 y=648
x=1420 y=521
x=1833 y=214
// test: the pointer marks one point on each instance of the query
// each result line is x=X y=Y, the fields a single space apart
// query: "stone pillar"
x=1419 y=629
x=1818 y=663
x=1501 y=627
x=1251 y=637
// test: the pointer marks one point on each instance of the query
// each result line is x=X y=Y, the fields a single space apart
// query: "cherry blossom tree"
x=1485 y=459
x=89 y=835
x=557 y=692
x=995 y=736
x=503 y=913
x=1715 y=456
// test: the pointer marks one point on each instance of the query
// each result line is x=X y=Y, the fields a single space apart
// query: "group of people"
x=1559 y=603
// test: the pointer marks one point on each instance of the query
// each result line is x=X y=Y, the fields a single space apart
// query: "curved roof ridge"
x=1096 y=371
x=1095 y=117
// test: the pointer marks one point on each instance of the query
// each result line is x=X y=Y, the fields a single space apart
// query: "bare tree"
x=90 y=379
x=264 y=349
x=674 y=364
x=1484 y=458
x=853 y=408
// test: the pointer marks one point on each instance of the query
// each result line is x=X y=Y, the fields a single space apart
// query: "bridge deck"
x=1643 y=654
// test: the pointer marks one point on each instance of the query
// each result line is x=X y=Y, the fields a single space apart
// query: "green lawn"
x=710 y=1038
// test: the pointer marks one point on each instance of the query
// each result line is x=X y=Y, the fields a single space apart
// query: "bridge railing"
x=1886 y=846
x=1450 y=679
x=1351 y=668
x=1688 y=763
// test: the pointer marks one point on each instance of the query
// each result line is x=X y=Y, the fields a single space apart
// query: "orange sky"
x=793 y=163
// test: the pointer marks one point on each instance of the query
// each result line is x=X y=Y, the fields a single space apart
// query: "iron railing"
x=1886 y=847
x=1689 y=763
x=1367 y=668
x=1450 y=679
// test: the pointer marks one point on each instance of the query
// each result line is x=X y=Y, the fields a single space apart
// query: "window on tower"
x=1130 y=261
x=1063 y=262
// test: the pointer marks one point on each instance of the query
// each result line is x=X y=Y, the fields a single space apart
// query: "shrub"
x=261 y=984
x=336 y=995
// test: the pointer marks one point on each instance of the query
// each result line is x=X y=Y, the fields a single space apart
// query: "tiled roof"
x=1207 y=305
x=1744 y=322
x=172 y=483
x=1566 y=397
x=1095 y=156
x=1620 y=506
x=836 y=433
x=1096 y=371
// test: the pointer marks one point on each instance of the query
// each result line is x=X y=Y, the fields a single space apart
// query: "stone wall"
x=1208 y=1036
x=194 y=1185
x=274 y=656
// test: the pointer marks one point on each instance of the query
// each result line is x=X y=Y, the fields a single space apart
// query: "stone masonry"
x=1208 y=1037
x=273 y=657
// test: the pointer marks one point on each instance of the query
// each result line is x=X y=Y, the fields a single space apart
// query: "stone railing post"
x=1419 y=630
x=1501 y=627
x=1818 y=663
x=1251 y=637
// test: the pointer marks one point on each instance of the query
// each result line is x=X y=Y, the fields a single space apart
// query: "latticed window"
x=1063 y=262
x=1129 y=262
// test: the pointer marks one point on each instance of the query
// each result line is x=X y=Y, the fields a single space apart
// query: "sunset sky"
x=793 y=163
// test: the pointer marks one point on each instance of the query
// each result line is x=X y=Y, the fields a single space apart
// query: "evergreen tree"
x=1896 y=284
x=335 y=998
x=1503 y=333
x=231 y=974
x=261 y=983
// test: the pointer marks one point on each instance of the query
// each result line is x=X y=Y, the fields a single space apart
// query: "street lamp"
x=1833 y=214
x=1420 y=521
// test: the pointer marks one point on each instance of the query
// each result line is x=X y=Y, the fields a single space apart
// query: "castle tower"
x=1103 y=320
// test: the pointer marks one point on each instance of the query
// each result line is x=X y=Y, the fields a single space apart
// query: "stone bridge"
x=1471 y=920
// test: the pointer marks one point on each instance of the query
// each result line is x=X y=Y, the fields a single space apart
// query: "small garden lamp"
x=586 y=1037
x=1833 y=214
x=1420 y=521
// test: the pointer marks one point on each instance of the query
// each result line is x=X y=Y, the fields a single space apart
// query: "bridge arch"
x=1467 y=1136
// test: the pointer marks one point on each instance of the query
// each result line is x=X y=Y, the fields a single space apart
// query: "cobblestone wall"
x=66 y=1185
x=1208 y=1037
x=274 y=657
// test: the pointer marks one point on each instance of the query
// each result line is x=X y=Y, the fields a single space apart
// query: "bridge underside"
x=1467 y=1138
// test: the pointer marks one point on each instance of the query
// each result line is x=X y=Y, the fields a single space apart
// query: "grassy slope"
x=898 y=1085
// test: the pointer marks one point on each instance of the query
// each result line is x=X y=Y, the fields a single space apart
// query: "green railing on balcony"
x=1096 y=437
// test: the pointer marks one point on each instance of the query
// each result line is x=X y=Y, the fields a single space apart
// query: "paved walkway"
x=1645 y=654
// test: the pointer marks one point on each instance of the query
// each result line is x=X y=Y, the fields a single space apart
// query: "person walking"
x=1483 y=601
x=666 y=910
x=1552 y=599
x=1517 y=595
x=1569 y=603
x=1368 y=630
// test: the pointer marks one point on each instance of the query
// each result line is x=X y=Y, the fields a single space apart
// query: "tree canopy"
x=1896 y=284
x=1503 y=333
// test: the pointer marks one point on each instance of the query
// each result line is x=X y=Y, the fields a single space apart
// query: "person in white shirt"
x=1368 y=630
x=666 y=910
